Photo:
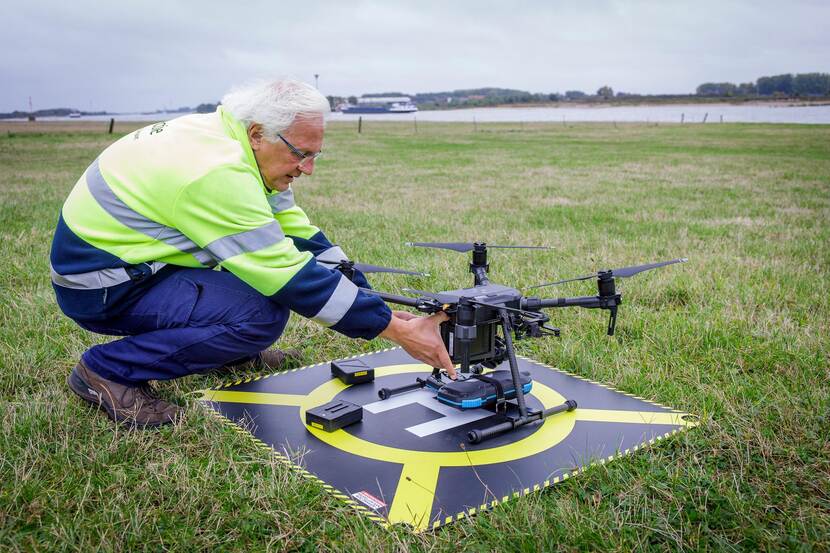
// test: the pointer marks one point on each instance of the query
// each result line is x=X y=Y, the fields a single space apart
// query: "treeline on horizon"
x=802 y=85
x=787 y=85
x=66 y=112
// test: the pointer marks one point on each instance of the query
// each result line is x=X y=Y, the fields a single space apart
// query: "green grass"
x=738 y=335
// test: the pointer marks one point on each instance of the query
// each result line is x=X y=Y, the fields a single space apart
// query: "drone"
x=479 y=335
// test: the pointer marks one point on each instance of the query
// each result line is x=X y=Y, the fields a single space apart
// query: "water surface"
x=688 y=113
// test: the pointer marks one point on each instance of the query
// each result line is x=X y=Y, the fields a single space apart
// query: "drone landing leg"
x=386 y=393
x=514 y=366
x=478 y=436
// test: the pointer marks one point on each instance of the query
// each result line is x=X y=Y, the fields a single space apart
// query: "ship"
x=380 y=104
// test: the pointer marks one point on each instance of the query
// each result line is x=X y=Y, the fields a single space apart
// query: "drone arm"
x=392 y=298
x=421 y=304
x=609 y=302
x=588 y=302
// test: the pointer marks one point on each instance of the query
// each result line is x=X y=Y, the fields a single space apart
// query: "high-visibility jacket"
x=188 y=193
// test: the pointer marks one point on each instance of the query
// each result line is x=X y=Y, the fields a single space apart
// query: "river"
x=664 y=113
x=675 y=113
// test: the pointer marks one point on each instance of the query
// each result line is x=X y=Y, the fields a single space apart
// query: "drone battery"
x=352 y=371
x=474 y=392
x=333 y=415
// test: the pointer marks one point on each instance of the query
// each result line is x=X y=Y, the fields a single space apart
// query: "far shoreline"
x=615 y=103
x=579 y=104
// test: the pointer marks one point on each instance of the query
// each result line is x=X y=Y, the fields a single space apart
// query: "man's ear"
x=255 y=136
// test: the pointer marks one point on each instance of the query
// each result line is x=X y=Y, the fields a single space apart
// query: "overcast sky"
x=145 y=55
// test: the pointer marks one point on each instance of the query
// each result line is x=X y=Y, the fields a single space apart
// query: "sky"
x=145 y=55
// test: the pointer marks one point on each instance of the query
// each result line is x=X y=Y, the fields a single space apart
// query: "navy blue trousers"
x=190 y=322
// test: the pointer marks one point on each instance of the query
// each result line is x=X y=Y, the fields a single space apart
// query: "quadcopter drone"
x=483 y=322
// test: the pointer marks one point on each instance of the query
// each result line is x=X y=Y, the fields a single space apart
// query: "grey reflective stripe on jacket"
x=332 y=256
x=128 y=217
x=93 y=280
x=338 y=304
x=245 y=242
x=281 y=201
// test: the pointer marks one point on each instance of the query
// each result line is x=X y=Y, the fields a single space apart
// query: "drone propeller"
x=441 y=298
x=365 y=268
x=464 y=247
x=623 y=272
x=626 y=272
x=421 y=293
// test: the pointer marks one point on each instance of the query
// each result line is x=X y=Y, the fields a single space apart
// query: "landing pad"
x=408 y=460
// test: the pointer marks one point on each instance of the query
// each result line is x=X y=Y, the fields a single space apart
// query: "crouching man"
x=143 y=232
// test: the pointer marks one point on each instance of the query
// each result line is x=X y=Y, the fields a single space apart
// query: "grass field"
x=739 y=335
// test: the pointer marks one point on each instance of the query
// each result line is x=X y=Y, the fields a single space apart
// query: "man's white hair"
x=274 y=104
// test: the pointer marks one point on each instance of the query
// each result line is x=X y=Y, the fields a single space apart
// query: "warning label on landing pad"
x=409 y=461
x=369 y=500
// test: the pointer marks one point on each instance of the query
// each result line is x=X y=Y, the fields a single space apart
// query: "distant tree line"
x=789 y=85
x=786 y=85
x=474 y=97
x=53 y=112
x=801 y=84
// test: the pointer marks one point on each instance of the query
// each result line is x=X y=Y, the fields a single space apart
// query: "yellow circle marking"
x=551 y=432
x=414 y=495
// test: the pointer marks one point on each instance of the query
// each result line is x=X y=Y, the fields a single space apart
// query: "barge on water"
x=380 y=104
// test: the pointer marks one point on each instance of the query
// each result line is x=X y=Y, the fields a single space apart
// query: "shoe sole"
x=84 y=391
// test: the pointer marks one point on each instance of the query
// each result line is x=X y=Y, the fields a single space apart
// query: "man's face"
x=277 y=163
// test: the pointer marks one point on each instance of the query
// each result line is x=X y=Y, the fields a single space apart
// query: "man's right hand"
x=421 y=338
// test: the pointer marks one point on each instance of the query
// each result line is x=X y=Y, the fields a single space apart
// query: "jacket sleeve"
x=226 y=213
x=307 y=237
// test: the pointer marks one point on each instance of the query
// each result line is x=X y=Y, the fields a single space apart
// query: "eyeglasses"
x=304 y=158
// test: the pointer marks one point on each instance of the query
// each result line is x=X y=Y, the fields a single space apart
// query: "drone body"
x=489 y=293
x=484 y=319
x=473 y=326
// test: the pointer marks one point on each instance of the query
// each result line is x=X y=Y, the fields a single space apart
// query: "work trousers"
x=190 y=322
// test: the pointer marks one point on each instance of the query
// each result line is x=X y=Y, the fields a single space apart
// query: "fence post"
x=705 y=116
x=112 y=124
x=359 y=125
x=682 y=117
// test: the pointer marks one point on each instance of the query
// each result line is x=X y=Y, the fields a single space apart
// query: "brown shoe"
x=269 y=359
x=132 y=405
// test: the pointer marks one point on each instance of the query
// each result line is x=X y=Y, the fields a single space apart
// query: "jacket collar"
x=236 y=130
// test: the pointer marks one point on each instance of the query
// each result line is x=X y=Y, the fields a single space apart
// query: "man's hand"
x=421 y=338
x=404 y=315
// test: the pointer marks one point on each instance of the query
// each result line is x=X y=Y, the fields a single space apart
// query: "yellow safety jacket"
x=188 y=193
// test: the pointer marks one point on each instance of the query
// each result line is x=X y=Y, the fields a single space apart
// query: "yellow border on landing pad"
x=413 y=498
x=288 y=463
x=415 y=493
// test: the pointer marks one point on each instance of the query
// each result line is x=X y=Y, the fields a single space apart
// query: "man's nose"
x=307 y=168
